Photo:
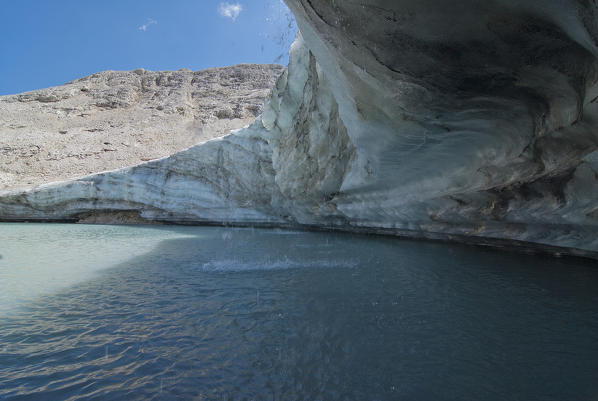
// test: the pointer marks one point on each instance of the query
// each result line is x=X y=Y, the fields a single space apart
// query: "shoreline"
x=497 y=244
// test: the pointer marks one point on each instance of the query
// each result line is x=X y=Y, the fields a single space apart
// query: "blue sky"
x=47 y=43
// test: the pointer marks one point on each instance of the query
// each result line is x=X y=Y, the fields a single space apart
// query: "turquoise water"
x=135 y=313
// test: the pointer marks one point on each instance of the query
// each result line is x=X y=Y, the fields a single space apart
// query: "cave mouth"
x=351 y=142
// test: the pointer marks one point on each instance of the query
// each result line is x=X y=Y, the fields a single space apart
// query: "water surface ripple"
x=233 y=314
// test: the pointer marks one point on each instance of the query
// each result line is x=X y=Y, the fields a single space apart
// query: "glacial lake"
x=208 y=313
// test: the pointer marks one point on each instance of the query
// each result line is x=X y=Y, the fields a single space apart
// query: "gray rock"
x=116 y=119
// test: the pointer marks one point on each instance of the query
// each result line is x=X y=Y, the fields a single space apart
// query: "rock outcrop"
x=474 y=121
x=116 y=119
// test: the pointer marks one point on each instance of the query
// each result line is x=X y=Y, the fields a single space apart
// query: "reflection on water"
x=216 y=313
x=39 y=259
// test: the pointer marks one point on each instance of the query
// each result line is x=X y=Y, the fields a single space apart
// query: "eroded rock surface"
x=474 y=121
x=115 y=119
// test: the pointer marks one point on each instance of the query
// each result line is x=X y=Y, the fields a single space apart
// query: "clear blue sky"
x=47 y=43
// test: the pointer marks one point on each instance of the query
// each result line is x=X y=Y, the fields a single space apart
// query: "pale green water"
x=134 y=313
x=39 y=259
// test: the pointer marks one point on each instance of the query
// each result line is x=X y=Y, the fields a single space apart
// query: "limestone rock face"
x=475 y=121
x=116 y=119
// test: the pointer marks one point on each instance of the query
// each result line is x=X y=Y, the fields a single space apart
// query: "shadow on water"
x=272 y=314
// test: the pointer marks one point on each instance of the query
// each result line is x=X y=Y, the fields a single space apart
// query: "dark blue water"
x=225 y=314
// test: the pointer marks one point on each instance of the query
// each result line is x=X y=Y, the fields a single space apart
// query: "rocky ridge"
x=115 y=119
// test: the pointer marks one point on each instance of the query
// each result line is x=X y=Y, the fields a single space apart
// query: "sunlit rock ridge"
x=115 y=119
x=473 y=121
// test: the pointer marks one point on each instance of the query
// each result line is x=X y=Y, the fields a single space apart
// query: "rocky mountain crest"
x=115 y=119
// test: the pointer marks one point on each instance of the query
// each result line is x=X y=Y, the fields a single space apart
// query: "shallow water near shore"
x=208 y=313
